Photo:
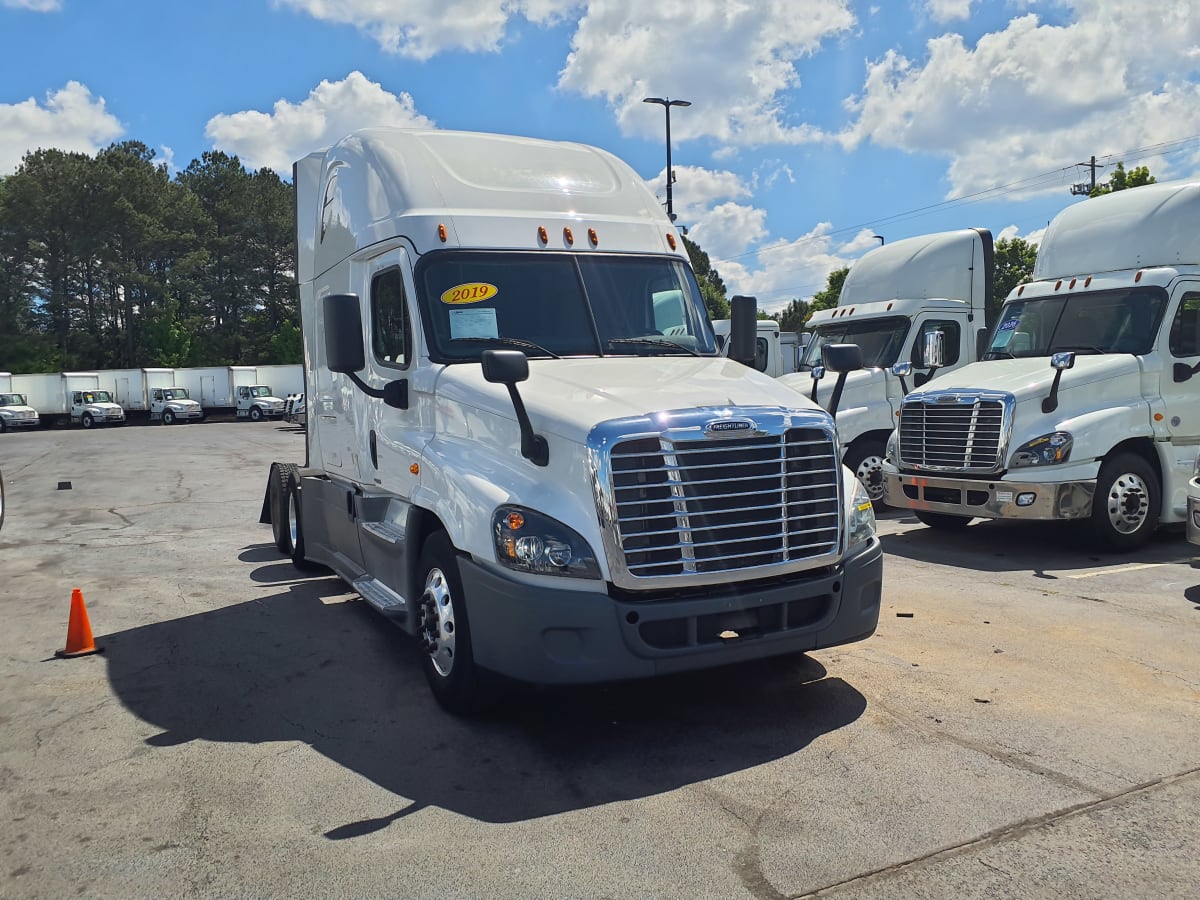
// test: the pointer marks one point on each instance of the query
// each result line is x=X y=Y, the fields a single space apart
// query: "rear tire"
x=281 y=473
x=942 y=521
x=1126 y=504
x=443 y=628
x=293 y=526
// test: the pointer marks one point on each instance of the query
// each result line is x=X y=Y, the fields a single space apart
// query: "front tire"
x=256 y=414
x=1126 y=504
x=281 y=530
x=87 y=421
x=942 y=521
x=168 y=417
x=294 y=526
x=444 y=630
x=865 y=460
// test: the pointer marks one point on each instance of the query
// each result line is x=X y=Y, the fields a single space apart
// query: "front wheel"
x=87 y=421
x=282 y=529
x=443 y=629
x=865 y=460
x=168 y=417
x=1126 y=503
x=944 y=521
x=256 y=414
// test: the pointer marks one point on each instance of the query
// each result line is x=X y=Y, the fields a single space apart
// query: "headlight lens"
x=528 y=541
x=862 y=517
x=1047 y=450
x=893 y=448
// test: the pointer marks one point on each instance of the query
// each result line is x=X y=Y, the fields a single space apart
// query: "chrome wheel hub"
x=870 y=473
x=437 y=622
x=1128 y=503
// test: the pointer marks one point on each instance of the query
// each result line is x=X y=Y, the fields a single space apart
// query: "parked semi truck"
x=776 y=352
x=510 y=459
x=892 y=299
x=1086 y=404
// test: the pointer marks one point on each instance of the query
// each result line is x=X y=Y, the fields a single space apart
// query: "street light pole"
x=666 y=103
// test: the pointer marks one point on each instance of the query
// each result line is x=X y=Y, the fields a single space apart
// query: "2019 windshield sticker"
x=475 y=292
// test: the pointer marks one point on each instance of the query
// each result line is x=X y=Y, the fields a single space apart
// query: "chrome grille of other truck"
x=697 y=504
x=954 y=431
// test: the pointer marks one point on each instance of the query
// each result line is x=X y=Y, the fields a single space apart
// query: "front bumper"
x=556 y=635
x=27 y=422
x=997 y=499
x=1193 y=511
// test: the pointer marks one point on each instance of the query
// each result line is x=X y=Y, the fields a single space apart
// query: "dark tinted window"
x=952 y=342
x=390 y=338
x=1185 y=327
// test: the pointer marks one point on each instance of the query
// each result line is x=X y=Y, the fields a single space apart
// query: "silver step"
x=380 y=596
x=389 y=532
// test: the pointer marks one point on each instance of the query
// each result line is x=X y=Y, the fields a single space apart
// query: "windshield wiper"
x=510 y=342
x=654 y=341
x=1088 y=347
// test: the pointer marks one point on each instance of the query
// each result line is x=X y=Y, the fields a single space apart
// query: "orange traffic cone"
x=79 y=630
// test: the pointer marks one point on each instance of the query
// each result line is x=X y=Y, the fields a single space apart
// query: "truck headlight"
x=1047 y=450
x=862 y=517
x=528 y=541
x=892 y=451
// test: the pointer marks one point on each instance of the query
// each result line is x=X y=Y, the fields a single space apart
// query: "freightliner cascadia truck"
x=523 y=446
x=1086 y=403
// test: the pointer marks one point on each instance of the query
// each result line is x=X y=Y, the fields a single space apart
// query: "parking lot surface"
x=1024 y=723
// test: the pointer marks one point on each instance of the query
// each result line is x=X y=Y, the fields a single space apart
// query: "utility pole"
x=1084 y=188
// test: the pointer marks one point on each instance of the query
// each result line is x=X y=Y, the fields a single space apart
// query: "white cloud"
x=943 y=11
x=291 y=130
x=733 y=60
x=1008 y=232
x=71 y=119
x=34 y=5
x=1035 y=97
x=420 y=29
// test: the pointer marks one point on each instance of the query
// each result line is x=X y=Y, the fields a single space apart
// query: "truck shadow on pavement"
x=314 y=664
x=998 y=546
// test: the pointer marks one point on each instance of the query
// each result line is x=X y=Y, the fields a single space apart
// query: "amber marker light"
x=1137 y=277
x=415 y=469
x=542 y=236
x=670 y=240
x=442 y=233
x=593 y=237
x=515 y=521
x=568 y=237
x=1088 y=282
x=1158 y=417
x=1072 y=284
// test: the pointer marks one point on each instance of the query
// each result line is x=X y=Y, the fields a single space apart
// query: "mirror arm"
x=533 y=446
x=1050 y=403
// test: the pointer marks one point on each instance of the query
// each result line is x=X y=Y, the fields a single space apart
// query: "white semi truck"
x=1086 y=404
x=892 y=299
x=509 y=458
x=15 y=411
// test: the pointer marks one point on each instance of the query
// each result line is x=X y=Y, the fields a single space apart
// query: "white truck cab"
x=96 y=407
x=776 y=352
x=173 y=404
x=256 y=402
x=525 y=448
x=15 y=412
x=892 y=299
x=1086 y=404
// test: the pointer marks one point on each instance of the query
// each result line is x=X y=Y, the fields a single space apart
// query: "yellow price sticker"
x=476 y=292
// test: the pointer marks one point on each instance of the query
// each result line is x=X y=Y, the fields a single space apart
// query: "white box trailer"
x=44 y=392
x=1084 y=404
x=87 y=402
x=283 y=379
x=209 y=385
x=526 y=449
x=125 y=386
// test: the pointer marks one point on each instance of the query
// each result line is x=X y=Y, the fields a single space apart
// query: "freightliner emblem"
x=720 y=427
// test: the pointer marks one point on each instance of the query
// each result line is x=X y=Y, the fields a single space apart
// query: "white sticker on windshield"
x=473 y=323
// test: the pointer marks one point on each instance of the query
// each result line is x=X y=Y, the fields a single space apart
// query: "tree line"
x=107 y=262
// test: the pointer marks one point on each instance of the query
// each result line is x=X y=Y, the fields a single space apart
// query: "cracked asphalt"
x=1023 y=724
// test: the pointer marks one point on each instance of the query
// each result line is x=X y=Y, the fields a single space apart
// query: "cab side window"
x=762 y=352
x=1185 y=327
x=952 y=342
x=390 y=333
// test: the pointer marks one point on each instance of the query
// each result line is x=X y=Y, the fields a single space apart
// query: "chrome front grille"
x=694 y=508
x=955 y=432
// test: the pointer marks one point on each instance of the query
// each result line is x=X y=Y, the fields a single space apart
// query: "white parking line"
x=1130 y=568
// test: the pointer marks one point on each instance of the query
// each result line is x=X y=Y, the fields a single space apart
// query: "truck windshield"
x=260 y=390
x=175 y=394
x=97 y=397
x=881 y=340
x=1118 y=321
x=12 y=400
x=560 y=304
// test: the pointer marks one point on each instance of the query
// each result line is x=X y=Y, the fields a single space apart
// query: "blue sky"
x=814 y=125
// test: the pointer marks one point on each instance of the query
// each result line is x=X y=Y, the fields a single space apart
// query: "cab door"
x=1179 y=349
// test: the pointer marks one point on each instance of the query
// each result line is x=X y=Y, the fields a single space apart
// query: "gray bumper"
x=21 y=423
x=989 y=499
x=1193 y=513
x=561 y=636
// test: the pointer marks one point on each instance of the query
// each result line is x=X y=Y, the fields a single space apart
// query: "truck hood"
x=182 y=404
x=568 y=397
x=18 y=410
x=1031 y=378
x=102 y=407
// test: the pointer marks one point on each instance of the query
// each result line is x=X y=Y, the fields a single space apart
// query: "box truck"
x=524 y=446
x=1085 y=405
x=15 y=411
x=87 y=403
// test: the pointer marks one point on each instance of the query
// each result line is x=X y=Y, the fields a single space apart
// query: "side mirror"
x=505 y=366
x=934 y=349
x=902 y=369
x=743 y=329
x=981 y=342
x=842 y=358
x=1060 y=362
x=342 y=318
x=1064 y=359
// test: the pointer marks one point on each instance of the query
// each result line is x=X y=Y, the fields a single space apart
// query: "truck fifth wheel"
x=523 y=446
